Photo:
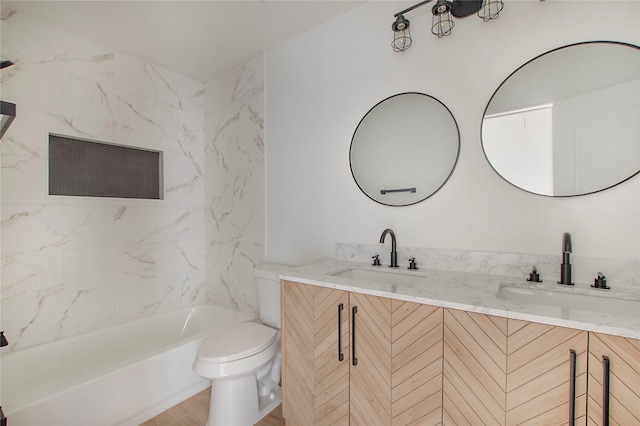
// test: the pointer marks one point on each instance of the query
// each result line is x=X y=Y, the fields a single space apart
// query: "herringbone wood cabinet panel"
x=331 y=375
x=398 y=346
x=371 y=377
x=505 y=371
x=298 y=402
x=624 y=379
x=416 y=363
x=539 y=374
x=475 y=365
x=424 y=365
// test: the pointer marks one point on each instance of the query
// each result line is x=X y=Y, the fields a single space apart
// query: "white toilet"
x=244 y=361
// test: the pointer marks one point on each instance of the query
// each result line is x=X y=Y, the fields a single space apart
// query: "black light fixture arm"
x=442 y=22
x=409 y=9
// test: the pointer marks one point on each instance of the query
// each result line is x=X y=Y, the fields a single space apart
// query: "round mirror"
x=567 y=122
x=404 y=149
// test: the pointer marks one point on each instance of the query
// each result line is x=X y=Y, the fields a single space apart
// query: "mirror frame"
x=453 y=166
x=620 y=43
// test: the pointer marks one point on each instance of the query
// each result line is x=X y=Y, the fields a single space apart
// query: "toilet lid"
x=238 y=342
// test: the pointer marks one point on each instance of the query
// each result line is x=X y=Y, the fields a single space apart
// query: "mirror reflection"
x=404 y=149
x=568 y=122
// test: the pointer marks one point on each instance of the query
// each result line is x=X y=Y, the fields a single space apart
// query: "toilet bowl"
x=244 y=361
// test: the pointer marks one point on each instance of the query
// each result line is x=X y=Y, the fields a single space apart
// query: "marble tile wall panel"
x=74 y=264
x=234 y=190
x=25 y=39
x=619 y=272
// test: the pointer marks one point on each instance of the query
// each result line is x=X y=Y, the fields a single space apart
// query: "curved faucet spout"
x=393 y=238
x=394 y=253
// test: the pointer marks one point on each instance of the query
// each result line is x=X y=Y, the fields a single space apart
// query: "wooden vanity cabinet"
x=615 y=360
x=350 y=358
x=504 y=371
x=384 y=369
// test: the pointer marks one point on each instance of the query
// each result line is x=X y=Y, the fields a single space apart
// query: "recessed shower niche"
x=95 y=169
x=404 y=149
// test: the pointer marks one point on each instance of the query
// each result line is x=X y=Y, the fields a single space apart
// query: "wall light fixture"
x=443 y=13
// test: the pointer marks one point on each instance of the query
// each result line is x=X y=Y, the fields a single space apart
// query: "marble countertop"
x=484 y=294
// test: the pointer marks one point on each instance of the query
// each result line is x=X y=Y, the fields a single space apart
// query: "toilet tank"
x=268 y=284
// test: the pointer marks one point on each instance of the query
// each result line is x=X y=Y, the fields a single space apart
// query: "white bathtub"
x=121 y=375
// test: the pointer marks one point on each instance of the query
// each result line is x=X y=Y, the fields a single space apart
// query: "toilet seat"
x=241 y=341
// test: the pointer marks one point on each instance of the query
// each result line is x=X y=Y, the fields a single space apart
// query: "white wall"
x=320 y=84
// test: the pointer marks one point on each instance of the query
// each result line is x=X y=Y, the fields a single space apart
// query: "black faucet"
x=394 y=253
x=565 y=267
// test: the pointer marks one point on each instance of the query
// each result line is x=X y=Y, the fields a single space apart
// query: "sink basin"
x=586 y=302
x=380 y=276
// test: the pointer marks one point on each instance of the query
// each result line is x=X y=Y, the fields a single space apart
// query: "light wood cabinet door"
x=397 y=376
x=315 y=379
x=331 y=356
x=370 y=372
x=416 y=363
x=508 y=372
x=623 y=356
x=475 y=366
x=298 y=340
x=540 y=376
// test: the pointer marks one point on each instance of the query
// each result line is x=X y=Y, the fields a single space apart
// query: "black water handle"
x=354 y=360
x=572 y=388
x=606 y=369
x=340 y=354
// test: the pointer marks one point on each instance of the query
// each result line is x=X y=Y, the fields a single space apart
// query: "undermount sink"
x=380 y=276
x=586 y=302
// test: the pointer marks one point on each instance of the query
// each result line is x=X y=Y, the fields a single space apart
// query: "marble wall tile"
x=142 y=299
x=146 y=79
x=109 y=266
x=193 y=289
x=45 y=86
x=74 y=264
x=31 y=275
x=234 y=188
x=38 y=320
x=33 y=227
x=230 y=266
x=619 y=272
x=137 y=224
x=88 y=100
x=236 y=87
x=183 y=125
x=133 y=112
x=180 y=258
x=185 y=176
x=28 y=39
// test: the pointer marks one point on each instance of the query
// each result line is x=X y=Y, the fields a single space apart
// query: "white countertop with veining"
x=479 y=293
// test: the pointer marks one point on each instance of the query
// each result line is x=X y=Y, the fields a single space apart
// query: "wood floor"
x=194 y=411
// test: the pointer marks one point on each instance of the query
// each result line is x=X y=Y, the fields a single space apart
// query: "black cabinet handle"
x=572 y=388
x=606 y=368
x=340 y=354
x=354 y=360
